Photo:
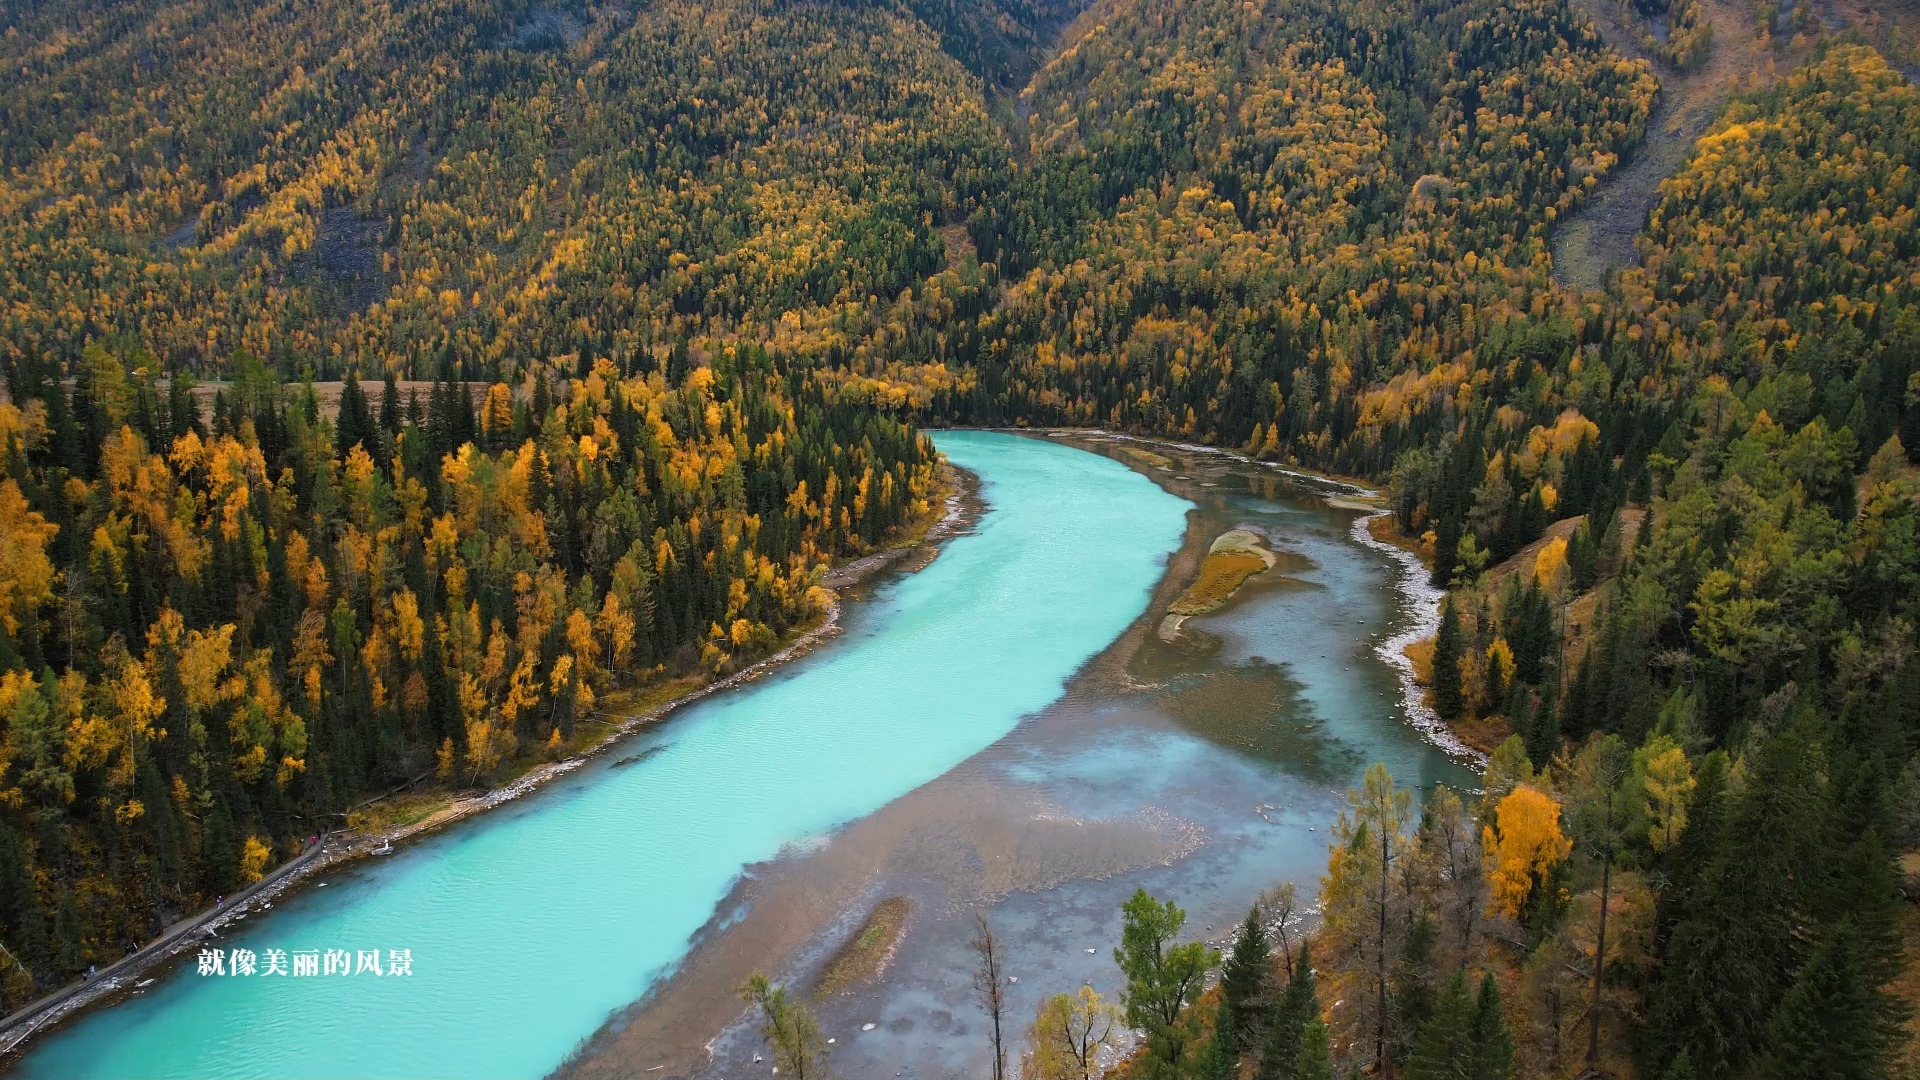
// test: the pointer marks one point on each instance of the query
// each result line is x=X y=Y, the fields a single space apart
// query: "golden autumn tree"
x=1550 y=566
x=26 y=574
x=1068 y=1035
x=1522 y=847
x=1668 y=783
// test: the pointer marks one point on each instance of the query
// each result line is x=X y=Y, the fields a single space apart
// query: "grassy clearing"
x=866 y=953
x=398 y=811
x=1158 y=461
x=1386 y=529
x=1221 y=575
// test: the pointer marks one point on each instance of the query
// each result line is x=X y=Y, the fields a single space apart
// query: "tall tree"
x=1492 y=1053
x=1825 y=1026
x=1733 y=948
x=1599 y=771
x=1297 y=1008
x=1449 y=645
x=1244 y=984
x=1367 y=907
x=1444 y=1049
x=1314 y=1061
x=989 y=986
x=1162 y=977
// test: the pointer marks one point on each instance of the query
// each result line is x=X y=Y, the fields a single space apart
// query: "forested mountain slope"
x=713 y=262
x=225 y=625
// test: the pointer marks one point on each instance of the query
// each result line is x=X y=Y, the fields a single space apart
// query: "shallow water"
x=530 y=926
x=1204 y=771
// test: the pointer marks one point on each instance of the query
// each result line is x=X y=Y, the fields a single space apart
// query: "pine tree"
x=1530 y=633
x=1413 y=991
x=1448 y=646
x=1298 y=1006
x=1315 y=1058
x=354 y=425
x=1222 y=1058
x=1824 y=1025
x=1244 y=983
x=220 y=850
x=1543 y=730
x=1875 y=913
x=1732 y=951
x=1492 y=1053
x=1582 y=557
x=391 y=418
x=1444 y=1048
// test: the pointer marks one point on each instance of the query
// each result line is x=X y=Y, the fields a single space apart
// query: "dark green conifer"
x=1444 y=1047
x=1824 y=1025
x=1732 y=954
x=1314 y=1061
x=1492 y=1054
x=1299 y=1004
x=1543 y=730
x=1448 y=645
x=1244 y=982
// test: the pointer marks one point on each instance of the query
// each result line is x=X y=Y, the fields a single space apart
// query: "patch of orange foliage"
x=1221 y=574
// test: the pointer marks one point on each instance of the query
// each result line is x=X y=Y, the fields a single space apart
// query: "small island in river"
x=1236 y=557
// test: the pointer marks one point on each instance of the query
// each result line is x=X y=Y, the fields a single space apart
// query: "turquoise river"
x=530 y=926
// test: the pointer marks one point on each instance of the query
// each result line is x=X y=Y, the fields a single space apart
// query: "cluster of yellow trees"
x=222 y=626
x=1412 y=894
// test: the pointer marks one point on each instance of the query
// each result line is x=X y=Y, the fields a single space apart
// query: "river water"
x=999 y=732
x=528 y=927
x=1205 y=770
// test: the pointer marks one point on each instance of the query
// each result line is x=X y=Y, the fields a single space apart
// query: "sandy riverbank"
x=961 y=507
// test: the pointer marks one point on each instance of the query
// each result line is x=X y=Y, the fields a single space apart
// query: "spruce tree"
x=1825 y=1025
x=1244 y=983
x=1582 y=557
x=1865 y=892
x=391 y=418
x=1299 y=1005
x=1732 y=951
x=1413 y=991
x=1444 y=1048
x=1314 y=1061
x=1532 y=636
x=1448 y=645
x=1222 y=1058
x=1492 y=1053
x=354 y=424
x=1543 y=730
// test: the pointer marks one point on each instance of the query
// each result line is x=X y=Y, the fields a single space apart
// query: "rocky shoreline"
x=1421 y=601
